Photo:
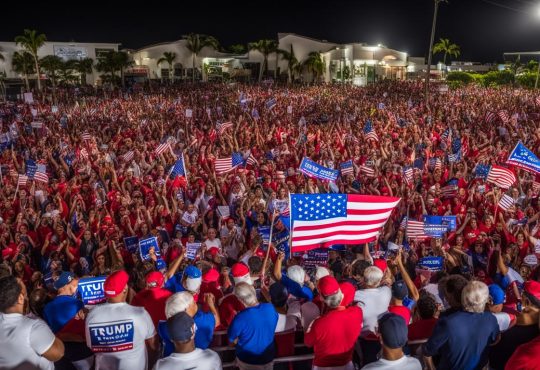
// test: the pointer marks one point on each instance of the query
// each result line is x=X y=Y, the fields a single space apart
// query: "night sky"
x=483 y=29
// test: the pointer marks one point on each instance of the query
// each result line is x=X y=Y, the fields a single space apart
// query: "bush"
x=461 y=77
x=527 y=79
x=498 y=78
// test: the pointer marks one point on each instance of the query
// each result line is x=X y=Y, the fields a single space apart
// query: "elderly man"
x=334 y=334
x=462 y=338
x=252 y=331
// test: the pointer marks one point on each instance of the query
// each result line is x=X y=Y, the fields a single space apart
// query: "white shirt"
x=404 y=363
x=503 y=319
x=22 y=342
x=116 y=333
x=374 y=302
x=198 y=359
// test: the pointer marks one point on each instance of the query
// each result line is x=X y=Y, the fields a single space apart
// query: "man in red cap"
x=334 y=334
x=122 y=336
x=154 y=297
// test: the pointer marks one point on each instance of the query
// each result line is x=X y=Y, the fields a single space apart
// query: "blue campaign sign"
x=146 y=245
x=91 y=290
x=192 y=249
x=435 y=231
x=448 y=221
x=522 y=157
x=264 y=232
x=131 y=243
x=113 y=336
x=314 y=169
x=315 y=257
x=280 y=239
x=431 y=263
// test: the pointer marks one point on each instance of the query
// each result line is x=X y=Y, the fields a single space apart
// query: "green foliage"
x=237 y=49
x=463 y=77
x=446 y=47
x=527 y=79
x=498 y=78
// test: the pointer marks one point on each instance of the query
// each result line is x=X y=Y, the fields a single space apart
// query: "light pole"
x=433 y=26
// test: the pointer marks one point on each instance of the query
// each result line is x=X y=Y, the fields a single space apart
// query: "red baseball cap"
x=239 y=269
x=214 y=251
x=115 y=283
x=155 y=279
x=532 y=288
x=348 y=291
x=380 y=263
x=328 y=286
x=210 y=276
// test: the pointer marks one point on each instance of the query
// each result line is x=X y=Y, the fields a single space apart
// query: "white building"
x=349 y=63
x=65 y=50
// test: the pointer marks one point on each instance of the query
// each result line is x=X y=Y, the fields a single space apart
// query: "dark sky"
x=483 y=30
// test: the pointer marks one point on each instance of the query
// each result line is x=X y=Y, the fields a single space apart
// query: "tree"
x=447 y=48
x=31 y=41
x=292 y=62
x=314 y=64
x=168 y=57
x=106 y=63
x=52 y=64
x=265 y=47
x=122 y=61
x=196 y=42
x=23 y=63
x=237 y=49
x=66 y=70
x=84 y=67
x=2 y=55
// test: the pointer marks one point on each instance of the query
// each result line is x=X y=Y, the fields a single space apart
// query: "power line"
x=505 y=6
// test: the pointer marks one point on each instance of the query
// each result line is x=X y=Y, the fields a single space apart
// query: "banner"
x=112 y=336
x=313 y=169
x=431 y=263
x=91 y=290
x=146 y=245
x=264 y=232
x=131 y=243
x=192 y=249
x=449 y=221
x=524 y=158
x=315 y=257
x=280 y=205
x=435 y=231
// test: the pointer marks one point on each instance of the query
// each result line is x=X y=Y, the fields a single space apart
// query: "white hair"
x=296 y=274
x=334 y=300
x=474 y=296
x=321 y=272
x=373 y=276
x=178 y=302
x=246 y=294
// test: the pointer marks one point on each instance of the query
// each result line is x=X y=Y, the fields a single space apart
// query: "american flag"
x=328 y=219
x=415 y=229
x=408 y=175
x=178 y=169
x=271 y=103
x=221 y=127
x=449 y=191
x=161 y=148
x=435 y=163
x=255 y=113
x=506 y=202
x=503 y=115
x=368 y=171
x=481 y=171
x=369 y=133
x=224 y=165
x=347 y=168
x=83 y=154
x=86 y=136
x=41 y=174
x=537 y=100
x=31 y=168
x=490 y=117
x=251 y=160
x=128 y=156
x=212 y=135
x=454 y=157
x=22 y=180
x=501 y=176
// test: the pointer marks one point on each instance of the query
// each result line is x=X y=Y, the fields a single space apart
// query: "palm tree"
x=314 y=64
x=292 y=62
x=23 y=63
x=52 y=64
x=84 y=67
x=31 y=41
x=265 y=47
x=196 y=42
x=447 y=48
x=122 y=61
x=66 y=70
x=168 y=57
x=237 y=49
x=106 y=63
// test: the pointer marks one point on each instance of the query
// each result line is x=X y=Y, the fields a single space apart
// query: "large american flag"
x=224 y=165
x=501 y=176
x=328 y=219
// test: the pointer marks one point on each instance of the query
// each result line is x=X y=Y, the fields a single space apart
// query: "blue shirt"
x=61 y=310
x=254 y=328
x=297 y=290
x=204 y=323
x=462 y=340
x=174 y=284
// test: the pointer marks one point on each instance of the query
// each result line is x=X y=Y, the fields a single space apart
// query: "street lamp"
x=433 y=26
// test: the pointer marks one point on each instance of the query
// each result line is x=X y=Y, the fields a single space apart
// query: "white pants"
x=348 y=366
x=243 y=366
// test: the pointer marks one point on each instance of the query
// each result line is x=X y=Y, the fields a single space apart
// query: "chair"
x=285 y=343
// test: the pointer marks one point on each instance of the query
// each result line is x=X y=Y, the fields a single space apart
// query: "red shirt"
x=333 y=336
x=422 y=329
x=228 y=308
x=526 y=357
x=153 y=300
x=401 y=311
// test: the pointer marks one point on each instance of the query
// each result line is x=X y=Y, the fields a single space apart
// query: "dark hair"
x=11 y=289
x=453 y=286
x=427 y=305
x=359 y=267
x=255 y=264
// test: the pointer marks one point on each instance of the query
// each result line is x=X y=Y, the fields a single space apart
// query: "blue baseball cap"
x=497 y=294
x=181 y=327
x=64 y=279
x=393 y=330
x=192 y=272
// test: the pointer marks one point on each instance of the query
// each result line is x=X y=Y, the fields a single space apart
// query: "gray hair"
x=178 y=302
x=297 y=274
x=474 y=297
x=334 y=300
x=373 y=276
x=246 y=294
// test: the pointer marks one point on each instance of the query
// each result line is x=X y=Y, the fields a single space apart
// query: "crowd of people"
x=165 y=196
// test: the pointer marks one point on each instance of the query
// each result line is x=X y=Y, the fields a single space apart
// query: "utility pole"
x=433 y=27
